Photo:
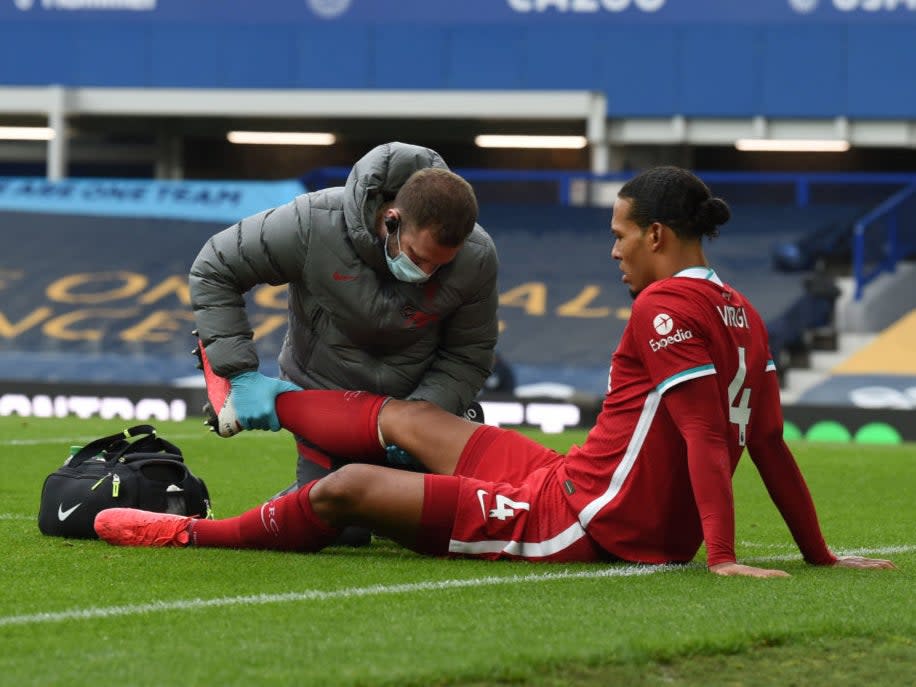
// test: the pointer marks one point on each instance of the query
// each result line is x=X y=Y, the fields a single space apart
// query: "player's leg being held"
x=360 y=424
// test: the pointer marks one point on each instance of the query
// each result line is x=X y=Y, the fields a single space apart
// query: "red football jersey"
x=630 y=481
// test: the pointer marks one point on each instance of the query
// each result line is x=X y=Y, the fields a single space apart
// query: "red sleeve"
x=705 y=434
x=783 y=479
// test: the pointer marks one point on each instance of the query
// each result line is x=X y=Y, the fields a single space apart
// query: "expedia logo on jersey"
x=677 y=337
x=663 y=324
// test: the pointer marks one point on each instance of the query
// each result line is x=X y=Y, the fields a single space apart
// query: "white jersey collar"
x=707 y=273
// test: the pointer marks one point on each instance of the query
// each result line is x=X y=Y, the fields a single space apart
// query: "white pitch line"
x=17 y=516
x=755 y=545
x=68 y=441
x=884 y=550
x=378 y=590
x=318 y=595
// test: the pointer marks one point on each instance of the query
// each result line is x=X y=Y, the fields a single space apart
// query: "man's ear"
x=392 y=221
x=656 y=235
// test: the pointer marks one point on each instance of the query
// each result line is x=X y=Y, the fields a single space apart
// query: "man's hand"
x=862 y=563
x=728 y=569
x=254 y=397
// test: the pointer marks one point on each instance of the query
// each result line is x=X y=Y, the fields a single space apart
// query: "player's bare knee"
x=335 y=496
x=399 y=418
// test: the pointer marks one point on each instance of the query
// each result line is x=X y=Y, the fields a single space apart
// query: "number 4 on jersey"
x=739 y=414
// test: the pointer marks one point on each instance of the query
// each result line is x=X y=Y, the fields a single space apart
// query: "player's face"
x=631 y=249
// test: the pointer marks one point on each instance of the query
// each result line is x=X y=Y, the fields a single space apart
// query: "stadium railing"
x=883 y=237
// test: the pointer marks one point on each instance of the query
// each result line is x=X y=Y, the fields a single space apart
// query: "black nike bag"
x=114 y=472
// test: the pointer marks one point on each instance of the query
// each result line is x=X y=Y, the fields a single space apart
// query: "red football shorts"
x=511 y=505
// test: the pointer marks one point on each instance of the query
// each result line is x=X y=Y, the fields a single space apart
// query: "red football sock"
x=440 y=505
x=287 y=523
x=343 y=423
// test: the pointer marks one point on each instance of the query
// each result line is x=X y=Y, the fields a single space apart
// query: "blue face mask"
x=403 y=268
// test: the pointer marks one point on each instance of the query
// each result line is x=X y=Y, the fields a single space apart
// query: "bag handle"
x=113 y=446
x=152 y=443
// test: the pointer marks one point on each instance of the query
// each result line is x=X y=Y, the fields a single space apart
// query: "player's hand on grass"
x=729 y=569
x=862 y=563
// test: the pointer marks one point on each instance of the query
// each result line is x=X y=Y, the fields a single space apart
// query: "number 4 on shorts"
x=506 y=507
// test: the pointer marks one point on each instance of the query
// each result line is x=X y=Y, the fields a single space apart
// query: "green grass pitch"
x=84 y=613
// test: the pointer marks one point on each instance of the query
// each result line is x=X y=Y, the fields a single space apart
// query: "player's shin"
x=286 y=523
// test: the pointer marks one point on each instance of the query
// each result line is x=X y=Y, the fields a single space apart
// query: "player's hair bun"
x=712 y=213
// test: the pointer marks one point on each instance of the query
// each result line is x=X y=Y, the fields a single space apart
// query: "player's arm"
x=704 y=429
x=786 y=485
x=266 y=248
x=685 y=376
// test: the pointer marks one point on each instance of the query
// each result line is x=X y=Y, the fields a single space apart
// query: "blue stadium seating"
x=113 y=308
x=568 y=249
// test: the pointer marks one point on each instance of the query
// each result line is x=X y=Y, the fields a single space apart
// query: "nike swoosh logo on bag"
x=343 y=277
x=64 y=514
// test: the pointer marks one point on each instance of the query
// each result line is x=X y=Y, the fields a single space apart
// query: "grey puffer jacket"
x=352 y=325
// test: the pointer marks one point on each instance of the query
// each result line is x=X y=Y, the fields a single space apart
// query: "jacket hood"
x=374 y=179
